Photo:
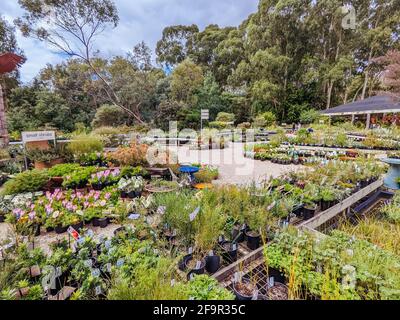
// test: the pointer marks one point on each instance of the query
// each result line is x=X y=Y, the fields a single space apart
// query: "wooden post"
x=3 y=122
x=368 y=120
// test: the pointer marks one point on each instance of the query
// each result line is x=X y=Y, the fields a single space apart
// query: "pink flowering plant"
x=64 y=208
x=105 y=178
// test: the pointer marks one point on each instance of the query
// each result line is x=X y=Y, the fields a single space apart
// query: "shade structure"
x=372 y=105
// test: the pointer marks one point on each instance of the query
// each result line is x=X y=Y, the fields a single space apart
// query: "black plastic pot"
x=253 y=240
x=49 y=229
x=36 y=230
x=229 y=254
x=77 y=226
x=182 y=262
x=325 y=205
x=95 y=222
x=309 y=212
x=240 y=296
x=103 y=222
x=195 y=270
x=2 y=218
x=60 y=229
x=213 y=263
x=238 y=233
x=97 y=186
x=298 y=211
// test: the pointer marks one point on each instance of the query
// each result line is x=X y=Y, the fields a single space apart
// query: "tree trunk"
x=329 y=95
x=3 y=123
x=365 y=86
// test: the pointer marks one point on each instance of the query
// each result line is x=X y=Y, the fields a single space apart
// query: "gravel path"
x=233 y=167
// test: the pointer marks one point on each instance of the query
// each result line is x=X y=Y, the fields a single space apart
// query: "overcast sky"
x=139 y=20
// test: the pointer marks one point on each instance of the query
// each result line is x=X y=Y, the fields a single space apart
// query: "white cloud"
x=139 y=20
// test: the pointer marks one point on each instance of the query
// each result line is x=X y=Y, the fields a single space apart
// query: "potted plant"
x=102 y=179
x=79 y=178
x=328 y=196
x=131 y=187
x=44 y=158
x=257 y=220
x=244 y=288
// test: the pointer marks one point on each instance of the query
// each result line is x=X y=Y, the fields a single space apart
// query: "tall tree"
x=176 y=44
x=71 y=26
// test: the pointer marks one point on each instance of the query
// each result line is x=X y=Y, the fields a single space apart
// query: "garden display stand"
x=190 y=171
x=391 y=177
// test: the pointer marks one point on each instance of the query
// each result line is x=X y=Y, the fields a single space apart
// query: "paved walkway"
x=233 y=167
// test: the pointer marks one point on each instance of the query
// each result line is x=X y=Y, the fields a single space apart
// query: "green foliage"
x=108 y=116
x=85 y=144
x=79 y=177
x=309 y=116
x=60 y=170
x=27 y=181
x=203 y=287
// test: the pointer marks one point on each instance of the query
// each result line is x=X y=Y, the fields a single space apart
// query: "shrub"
x=218 y=125
x=206 y=175
x=108 y=115
x=60 y=170
x=78 y=178
x=309 y=116
x=4 y=154
x=27 y=181
x=83 y=144
x=225 y=117
x=133 y=155
x=244 y=125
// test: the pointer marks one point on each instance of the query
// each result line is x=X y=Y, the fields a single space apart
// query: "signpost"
x=205 y=115
x=36 y=136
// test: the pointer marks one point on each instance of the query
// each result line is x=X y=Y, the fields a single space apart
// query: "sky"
x=139 y=20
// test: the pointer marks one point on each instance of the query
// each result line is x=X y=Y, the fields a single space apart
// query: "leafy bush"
x=4 y=154
x=206 y=175
x=218 y=125
x=225 y=117
x=83 y=144
x=60 y=170
x=78 y=178
x=203 y=287
x=27 y=181
x=309 y=116
x=108 y=115
x=133 y=155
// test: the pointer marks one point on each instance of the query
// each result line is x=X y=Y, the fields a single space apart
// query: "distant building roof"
x=376 y=104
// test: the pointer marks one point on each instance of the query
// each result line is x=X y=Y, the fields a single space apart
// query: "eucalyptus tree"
x=71 y=26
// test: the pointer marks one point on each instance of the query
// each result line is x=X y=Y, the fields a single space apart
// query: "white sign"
x=205 y=114
x=30 y=136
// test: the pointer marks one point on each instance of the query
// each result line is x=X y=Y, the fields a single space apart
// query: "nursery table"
x=393 y=174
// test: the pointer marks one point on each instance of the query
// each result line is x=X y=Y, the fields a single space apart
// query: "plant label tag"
x=191 y=277
x=88 y=263
x=211 y=253
x=107 y=244
x=198 y=264
x=255 y=295
x=243 y=227
x=234 y=247
x=108 y=267
x=98 y=290
x=190 y=251
x=271 y=281
x=120 y=262
x=74 y=234
x=161 y=210
x=220 y=239
x=193 y=215
x=90 y=233
x=155 y=251
x=58 y=271
x=172 y=282
x=134 y=216
x=319 y=269
x=271 y=206
x=96 y=272
x=174 y=233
